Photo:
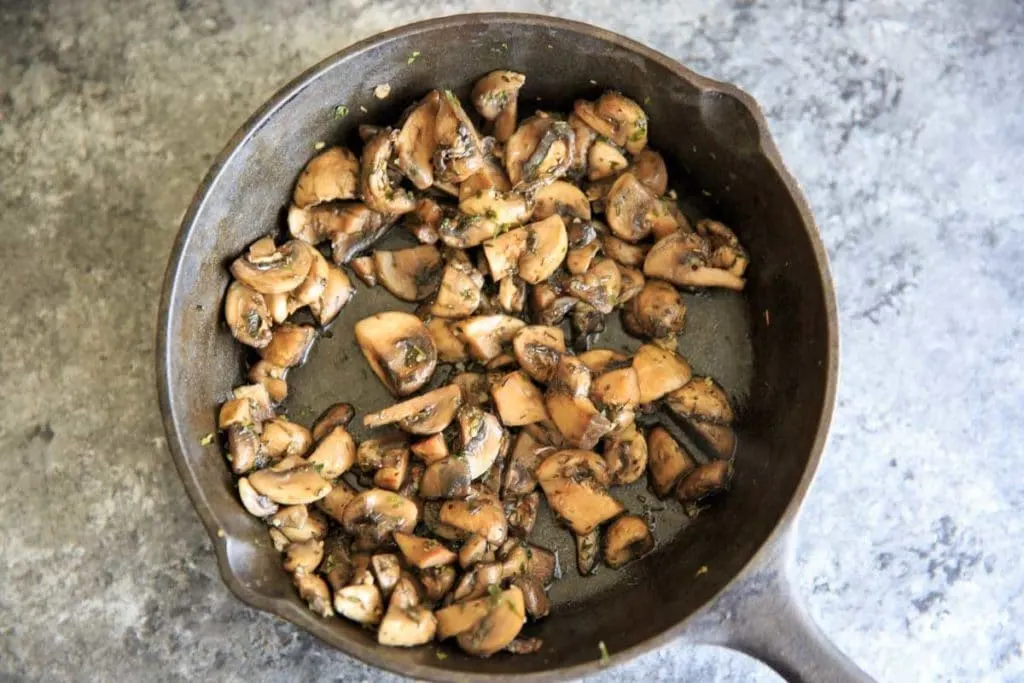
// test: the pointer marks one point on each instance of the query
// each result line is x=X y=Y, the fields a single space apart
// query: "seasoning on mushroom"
x=626 y=539
x=331 y=174
x=494 y=97
x=399 y=350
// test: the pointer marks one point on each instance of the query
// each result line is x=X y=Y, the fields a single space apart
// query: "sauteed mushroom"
x=599 y=286
x=667 y=461
x=314 y=592
x=626 y=539
x=545 y=247
x=503 y=253
x=682 y=259
x=627 y=207
x=423 y=553
x=660 y=371
x=283 y=437
x=574 y=482
x=723 y=246
x=537 y=349
x=459 y=148
x=356 y=228
x=481 y=514
x=518 y=400
x=399 y=350
x=247 y=315
x=561 y=198
x=505 y=208
x=337 y=415
x=616 y=117
x=297 y=486
x=707 y=480
x=502 y=623
x=334 y=454
x=588 y=547
x=289 y=345
x=512 y=294
x=703 y=399
x=416 y=142
x=332 y=174
x=379 y=193
x=410 y=274
x=657 y=312
x=604 y=160
x=626 y=456
x=649 y=168
x=337 y=292
x=485 y=335
x=539 y=151
x=273 y=270
x=495 y=98
x=257 y=504
x=459 y=292
x=429 y=413
x=464 y=231
x=374 y=515
x=482 y=439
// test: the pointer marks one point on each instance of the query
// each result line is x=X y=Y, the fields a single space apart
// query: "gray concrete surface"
x=903 y=120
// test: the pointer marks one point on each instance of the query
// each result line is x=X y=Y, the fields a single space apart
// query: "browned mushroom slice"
x=580 y=259
x=561 y=198
x=724 y=248
x=657 y=312
x=505 y=208
x=491 y=176
x=479 y=514
x=574 y=482
x=247 y=315
x=360 y=602
x=312 y=288
x=526 y=454
x=373 y=453
x=584 y=137
x=437 y=581
x=632 y=283
x=416 y=142
x=523 y=515
x=314 y=592
x=579 y=421
x=289 y=345
x=450 y=348
x=393 y=470
x=495 y=96
x=599 y=286
x=425 y=220
x=549 y=305
x=459 y=293
x=627 y=207
x=297 y=524
x=399 y=350
x=598 y=360
x=478 y=582
x=278 y=305
x=429 y=413
x=660 y=371
x=539 y=151
x=617 y=391
x=649 y=168
x=352 y=228
x=298 y=486
x=707 y=480
x=459 y=148
x=626 y=539
x=475 y=391
x=483 y=439
x=720 y=437
x=588 y=547
x=336 y=415
x=337 y=292
x=626 y=456
x=387 y=570
x=335 y=502
x=365 y=269
x=474 y=551
x=518 y=400
x=283 y=437
x=334 y=454
x=463 y=232
x=446 y=478
x=623 y=252
x=665 y=218
x=304 y=557
x=378 y=191
x=571 y=377
x=503 y=253
x=703 y=399
x=485 y=335
x=546 y=245
x=682 y=259
x=616 y=117
x=667 y=461
x=255 y=503
x=410 y=274
x=268 y=269
x=407 y=626
x=258 y=399
x=431 y=449
x=332 y=174
x=423 y=553
x=502 y=623
x=512 y=294
x=604 y=160
x=374 y=515
x=460 y=617
x=273 y=379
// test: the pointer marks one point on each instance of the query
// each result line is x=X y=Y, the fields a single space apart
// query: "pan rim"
x=288 y=609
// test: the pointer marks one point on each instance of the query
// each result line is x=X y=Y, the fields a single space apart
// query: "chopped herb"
x=341 y=111
x=467 y=294
x=605 y=659
x=512 y=607
x=319 y=466
x=206 y=440
x=319 y=145
x=703 y=570
x=647 y=99
x=491 y=214
x=412 y=56
x=504 y=46
x=395 y=501
x=441 y=654
x=494 y=593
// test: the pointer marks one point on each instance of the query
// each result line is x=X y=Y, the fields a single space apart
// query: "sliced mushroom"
x=289 y=345
x=535 y=600
x=474 y=388
x=446 y=478
x=561 y=198
x=660 y=371
x=666 y=218
x=632 y=283
x=459 y=293
x=376 y=187
x=584 y=137
x=257 y=504
x=512 y=294
x=273 y=270
x=361 y=603
x=431 y=449
x=505 y=208
x=623 y=252
x=495 y=98
x=386 y=571
x=314 y=592
x=626 y=539
x=604 y=160
x=707 y=480
x=491 y=479
x=281 y=437
x=724 y=248
x=459 y=148
x=574 y=483
x=450 y=348
x=483 y=439
x=618 y=393
x=464 y=231
x=503 y=253
x=273 y=379
x=599 y=286
x=504 y=620
x=298 y=486
x=480 y=514
x=581 y=424
x=258 y=399
x=304 y=557
x=649 y=168
x=491 y=176
x=245 y=450
x=428 y=413
x=580 y=259
x=247 y=315
x=517 y=400
x=336 y=415
x=474 y=551
x=703 y=399
x=335 y=502
x=657 y=312
x=460 y=617
x=423 y=553
x=410 y=274
x=337 y=292
x=332 y=174
x=485 y=335
x=526 y=454
x=545 y=248
x=616 y=117
x=372 y=454
x=425 y=220
x=720 y=437
x=478 y=582
x=599 y=360
x=588 y=548
x=627 y=208
x=349 y=226
x=407 y=626
x=374 y=515
x=539 y=151
x=297 y=524
x=523 y=515
x=682 y=259
x=437 y=581
x=626 y=456
x=399 y=350
x=667 y=461
x=365 y=268
x=571 y=377
x=334 y=454
x=416 y=142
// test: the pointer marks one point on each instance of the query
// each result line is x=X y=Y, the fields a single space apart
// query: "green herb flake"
x=512 y=607
x=605 y=659
x=494 y=594
x=341 y=111
x=441 y=654
x=206 y=440
x=647 y=99
x=703 y=570
x=319 y=467
x=412 y=56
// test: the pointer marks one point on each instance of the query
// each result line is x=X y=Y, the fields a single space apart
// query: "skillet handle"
x=761 y=616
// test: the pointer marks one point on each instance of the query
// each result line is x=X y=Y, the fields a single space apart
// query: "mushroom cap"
x=504 y=620
x=297 y=486
x=598 y=360
x=411 y=274
x=545 y=248
x=376 y=187
x=270 y=270
x=517 y=400
x=562 y=198
x=416 y=141
x=623 y=252
x=701 y=398
x=448 y=477
x=423 y=553
x=257 y=504
x=336 y=415
x=289 y=345
x=337 y=292
x=539 y=151
x=625 y=454
x=464 y=231
x=314 y=592
x=247 y=315
x=581 y=424
x=361 y=603
x=604 y=160
x=588 y=547
x=407 y=626
x=334 y=454
x=627 y=207
x=332 y=174
x=493 y=92
x=459 y=293
x=506 y=208
x=667 y=461
x=459 y=151
x=450 y=348
x=481 y=514
x=681 y=258
x=660 y=371
x=574 y=484
x=649 y=168
x=658 y=311
x=483 y=439
x=374 y=514
x=599 y=286
x=503 y=252
x=626 y=539
x=485 y=335
x=399 y=350
x=428 y=413
x=632 y=283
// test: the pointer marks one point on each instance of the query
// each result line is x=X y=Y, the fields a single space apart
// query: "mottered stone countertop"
x=904 y=122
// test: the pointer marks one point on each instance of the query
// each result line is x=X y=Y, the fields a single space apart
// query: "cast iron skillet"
x=723 y=579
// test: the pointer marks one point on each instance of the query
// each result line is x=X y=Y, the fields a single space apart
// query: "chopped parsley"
x=605 y=659
x=494 y=594
x=341 y=111
x=703 y=570
x=412 y=56
x=206 y=440
x=441 y=654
